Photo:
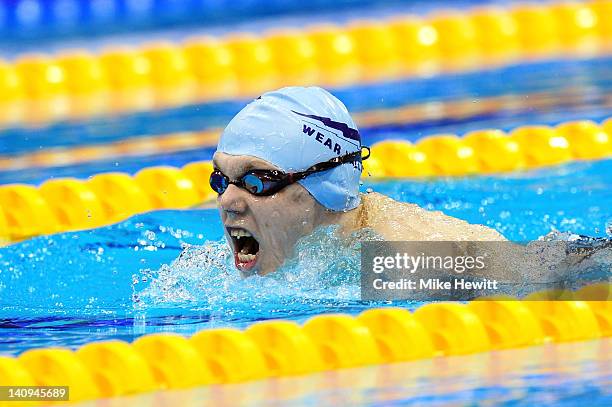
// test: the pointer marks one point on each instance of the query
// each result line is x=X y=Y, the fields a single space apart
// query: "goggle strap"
x=293 y=177
x=334 y=162
x=367 y=156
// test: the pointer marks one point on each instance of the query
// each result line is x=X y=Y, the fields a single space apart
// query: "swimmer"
x=290 y=162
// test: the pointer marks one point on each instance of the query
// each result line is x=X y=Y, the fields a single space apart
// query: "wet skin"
x=276 y=221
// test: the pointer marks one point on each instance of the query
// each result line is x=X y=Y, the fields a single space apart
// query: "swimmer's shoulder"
x=376 y=200
x=402 y=220
x=378 y=207
x=393 y=220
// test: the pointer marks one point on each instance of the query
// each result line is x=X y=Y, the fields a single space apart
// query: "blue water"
x=124 y=280
x=544 y=92
x=560 y=375
x=120 y=281
x=54 y=26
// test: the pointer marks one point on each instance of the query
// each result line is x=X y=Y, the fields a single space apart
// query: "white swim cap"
x=294 y=128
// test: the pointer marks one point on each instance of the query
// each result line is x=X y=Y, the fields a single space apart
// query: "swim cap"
x=294 y=128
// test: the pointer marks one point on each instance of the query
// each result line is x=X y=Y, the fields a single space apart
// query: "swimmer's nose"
x=232 y=201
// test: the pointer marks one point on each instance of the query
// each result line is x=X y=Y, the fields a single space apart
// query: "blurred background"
x=494 y=112
x=97 y=86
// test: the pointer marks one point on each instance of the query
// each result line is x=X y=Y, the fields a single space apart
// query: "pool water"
x=542 y=92
x=124 y=280
x=560 y=374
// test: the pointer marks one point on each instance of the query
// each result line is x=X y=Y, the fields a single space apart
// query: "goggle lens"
x=218 y=182
x=268 y=182
x=253 y=184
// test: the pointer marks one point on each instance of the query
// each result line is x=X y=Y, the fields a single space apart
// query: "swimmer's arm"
x=509 y=262
x=403 y=221
x=408 y=222
x=451 y=228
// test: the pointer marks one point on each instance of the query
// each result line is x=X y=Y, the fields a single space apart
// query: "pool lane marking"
x=186 y=141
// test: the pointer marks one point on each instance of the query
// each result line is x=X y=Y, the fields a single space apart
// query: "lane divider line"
x=64 y=204
x=74 y=84
x=281 y=348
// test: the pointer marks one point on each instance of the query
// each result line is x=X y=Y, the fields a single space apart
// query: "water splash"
x=587 y=259
x=325 y=268
x=189 y=278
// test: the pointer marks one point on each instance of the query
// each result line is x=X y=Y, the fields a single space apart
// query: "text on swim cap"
x=348 y=133
x=320 y=137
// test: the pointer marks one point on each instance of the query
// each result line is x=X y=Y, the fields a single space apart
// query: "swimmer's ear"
x=367 y=156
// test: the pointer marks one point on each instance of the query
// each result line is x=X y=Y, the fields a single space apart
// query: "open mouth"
x=246 y=248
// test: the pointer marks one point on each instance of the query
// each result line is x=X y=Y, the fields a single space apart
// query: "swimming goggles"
x=269 y=182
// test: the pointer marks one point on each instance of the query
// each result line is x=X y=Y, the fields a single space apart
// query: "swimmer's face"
x=263 y=230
